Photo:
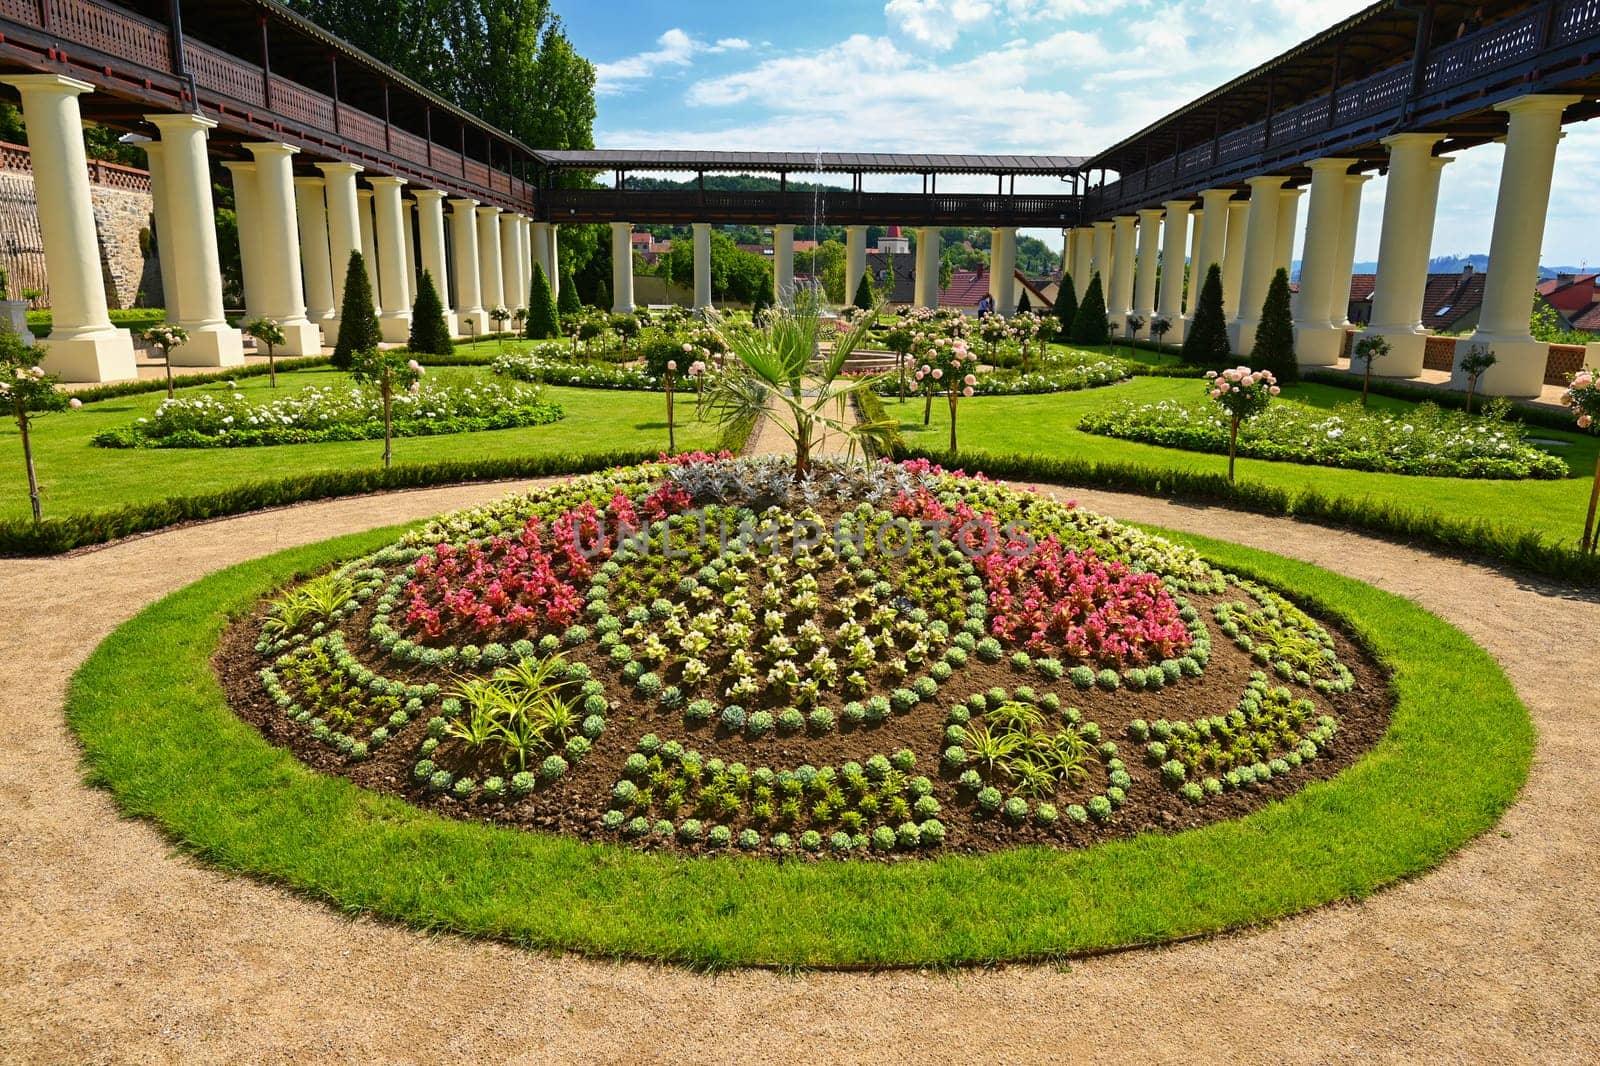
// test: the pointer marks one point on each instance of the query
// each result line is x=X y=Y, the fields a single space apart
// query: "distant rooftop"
x=630 y=159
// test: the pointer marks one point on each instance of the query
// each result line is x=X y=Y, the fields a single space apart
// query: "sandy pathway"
x=114 y=949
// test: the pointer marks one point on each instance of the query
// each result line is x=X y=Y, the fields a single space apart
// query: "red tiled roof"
x=1589 y=321
x=1361 y=286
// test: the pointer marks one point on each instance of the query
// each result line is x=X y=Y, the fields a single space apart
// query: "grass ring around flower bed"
x=159 y=735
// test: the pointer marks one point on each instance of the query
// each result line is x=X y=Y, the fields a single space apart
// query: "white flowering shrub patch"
x=552 y=364
x=1423 y=440
x=876 y=661
x=332 y=413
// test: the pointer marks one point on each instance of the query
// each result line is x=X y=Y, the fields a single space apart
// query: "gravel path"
x=112 y=948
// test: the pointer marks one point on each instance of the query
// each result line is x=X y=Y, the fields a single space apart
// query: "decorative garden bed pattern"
x=944 y=664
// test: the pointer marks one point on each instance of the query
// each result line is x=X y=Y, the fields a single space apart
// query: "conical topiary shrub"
x=602 y=296
x=568 y=300
x=1066 y=305
x=1089 y=325
x=544 y=322
x=863 y=297
x=358 y=323
x=1274 y=347
x=430 y=333
x=1207 y=341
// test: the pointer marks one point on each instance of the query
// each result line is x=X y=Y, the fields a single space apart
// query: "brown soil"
x=575 y=803
x=114 y=948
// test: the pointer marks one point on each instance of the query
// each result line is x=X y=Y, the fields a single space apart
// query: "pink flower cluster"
x=1070 y=602
x=693 y=458
x=1583 y=396
x=948 y=356
x=1241 y=378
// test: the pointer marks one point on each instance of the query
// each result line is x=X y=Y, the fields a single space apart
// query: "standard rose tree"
x=1583 y=396
x=269 y=333
x=167 y=337
x=948 y=366
x=1243 y=393
x=26 y=392
x=388 y=371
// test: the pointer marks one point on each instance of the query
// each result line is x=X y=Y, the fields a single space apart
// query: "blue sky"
x=1049 y=76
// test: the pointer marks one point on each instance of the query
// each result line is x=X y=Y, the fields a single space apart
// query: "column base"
x=1242 y=336
x=1406 y=349
x=620 y=308
x=104 y=356
x=1318 y=344
x=1518 y=369
x=1144 y=330
x=1591 y=356
x=471 y=324
x=301 y=338
x=1179 y=330
x=395 y=327
x=450 y=323
x=1118 y=324
x=210 y=344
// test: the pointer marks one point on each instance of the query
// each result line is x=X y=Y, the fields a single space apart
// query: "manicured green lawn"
x=80 y=477
x=1047 y=425
x=158 y=734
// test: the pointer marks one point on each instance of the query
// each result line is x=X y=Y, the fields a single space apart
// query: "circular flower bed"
x=879 y=661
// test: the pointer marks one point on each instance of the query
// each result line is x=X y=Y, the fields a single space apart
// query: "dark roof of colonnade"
x=808 y=162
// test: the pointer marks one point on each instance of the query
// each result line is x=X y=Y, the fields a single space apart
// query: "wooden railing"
x=112 y=175
x=114 y=31
x=831 y=206
x=220 y=72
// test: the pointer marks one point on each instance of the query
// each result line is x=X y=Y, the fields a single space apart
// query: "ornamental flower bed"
x=876 y=662
x=320 y=413
x=551 y=364
x=1425 y=440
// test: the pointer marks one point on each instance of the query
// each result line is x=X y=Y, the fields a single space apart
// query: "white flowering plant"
x=165 y=336
x=26 y=392
x=1583 y=396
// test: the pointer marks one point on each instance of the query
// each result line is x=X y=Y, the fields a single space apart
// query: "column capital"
x=428 y=194
x=308 y=182
x=1101 y=223
x=240 y=165
x=1266 y=181
x=462 y=204
x=1529 y=102
x=385 y=181
x=170 y=120
x=1125 y=219
x=487 y=211
x=1331 y=163
x=1296 y=192
x=1401 y=141
x=789 y=226
x=617 y=227
x=1151 y=213
x=330 y=169
x=1216 y=194
x=361 y=194
x=1357 y=179
x=1178 y=205
x=270 y=148
x=56 y=84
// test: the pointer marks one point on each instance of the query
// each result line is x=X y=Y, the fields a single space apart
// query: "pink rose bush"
x=1243 y=393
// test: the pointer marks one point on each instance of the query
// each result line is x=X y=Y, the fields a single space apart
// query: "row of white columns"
x=295 y=239
x=1250 y=239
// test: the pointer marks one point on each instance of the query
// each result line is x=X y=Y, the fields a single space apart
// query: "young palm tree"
x=771 y=376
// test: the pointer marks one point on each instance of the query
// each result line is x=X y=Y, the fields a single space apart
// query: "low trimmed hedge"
x=1528 y=549
x=1455 y=401
x=40 y=323
x=116 y=390
x=52 y=536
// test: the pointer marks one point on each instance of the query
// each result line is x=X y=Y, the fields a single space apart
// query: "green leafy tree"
x=27 y=392
x=1089 y=325
x=1066 y=305
x=389 y=372
x=358 y=322
x=1207 y=340
x=569 y=302
x=863 y=298
x=430 y=332
x=544 y=321
x=1274 y=346
x=268 y=333
x=1368 y=350
x=1473 y=362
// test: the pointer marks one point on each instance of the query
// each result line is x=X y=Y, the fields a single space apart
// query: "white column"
x=928 y=256
x=508 y=262
x=365 y=201
x=855 y=260
x=1003 y=270
x=470 y=314
x=1317 y=340
x=702 y=265
x=247 y=214
x=1101 y=261
x=344 y=223
x=1174 y=247
x=408 y=235
x=1083 y=259
x=1408 y=211
x=83 y=345
x=189 y=238
x=541 y=251
x=394 y=305
x=555 y=259
x=430 y=232
x=1144 y=281
x=1069 y=245
x=1234 y=218
x=525 y=255
x=315 y=259
x=161 y=211
x=282 y=289
x=1344 y=263
x=622 y=267
x=1288 y=223
x=1119 y=297
x=1519 y=221
x=783 y=265
x=1260 y=253
x=489 y=277
x=1212 y=239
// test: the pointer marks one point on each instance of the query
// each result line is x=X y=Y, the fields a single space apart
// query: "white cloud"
x=936 y=23
x=675 y=49
x=730 y=44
